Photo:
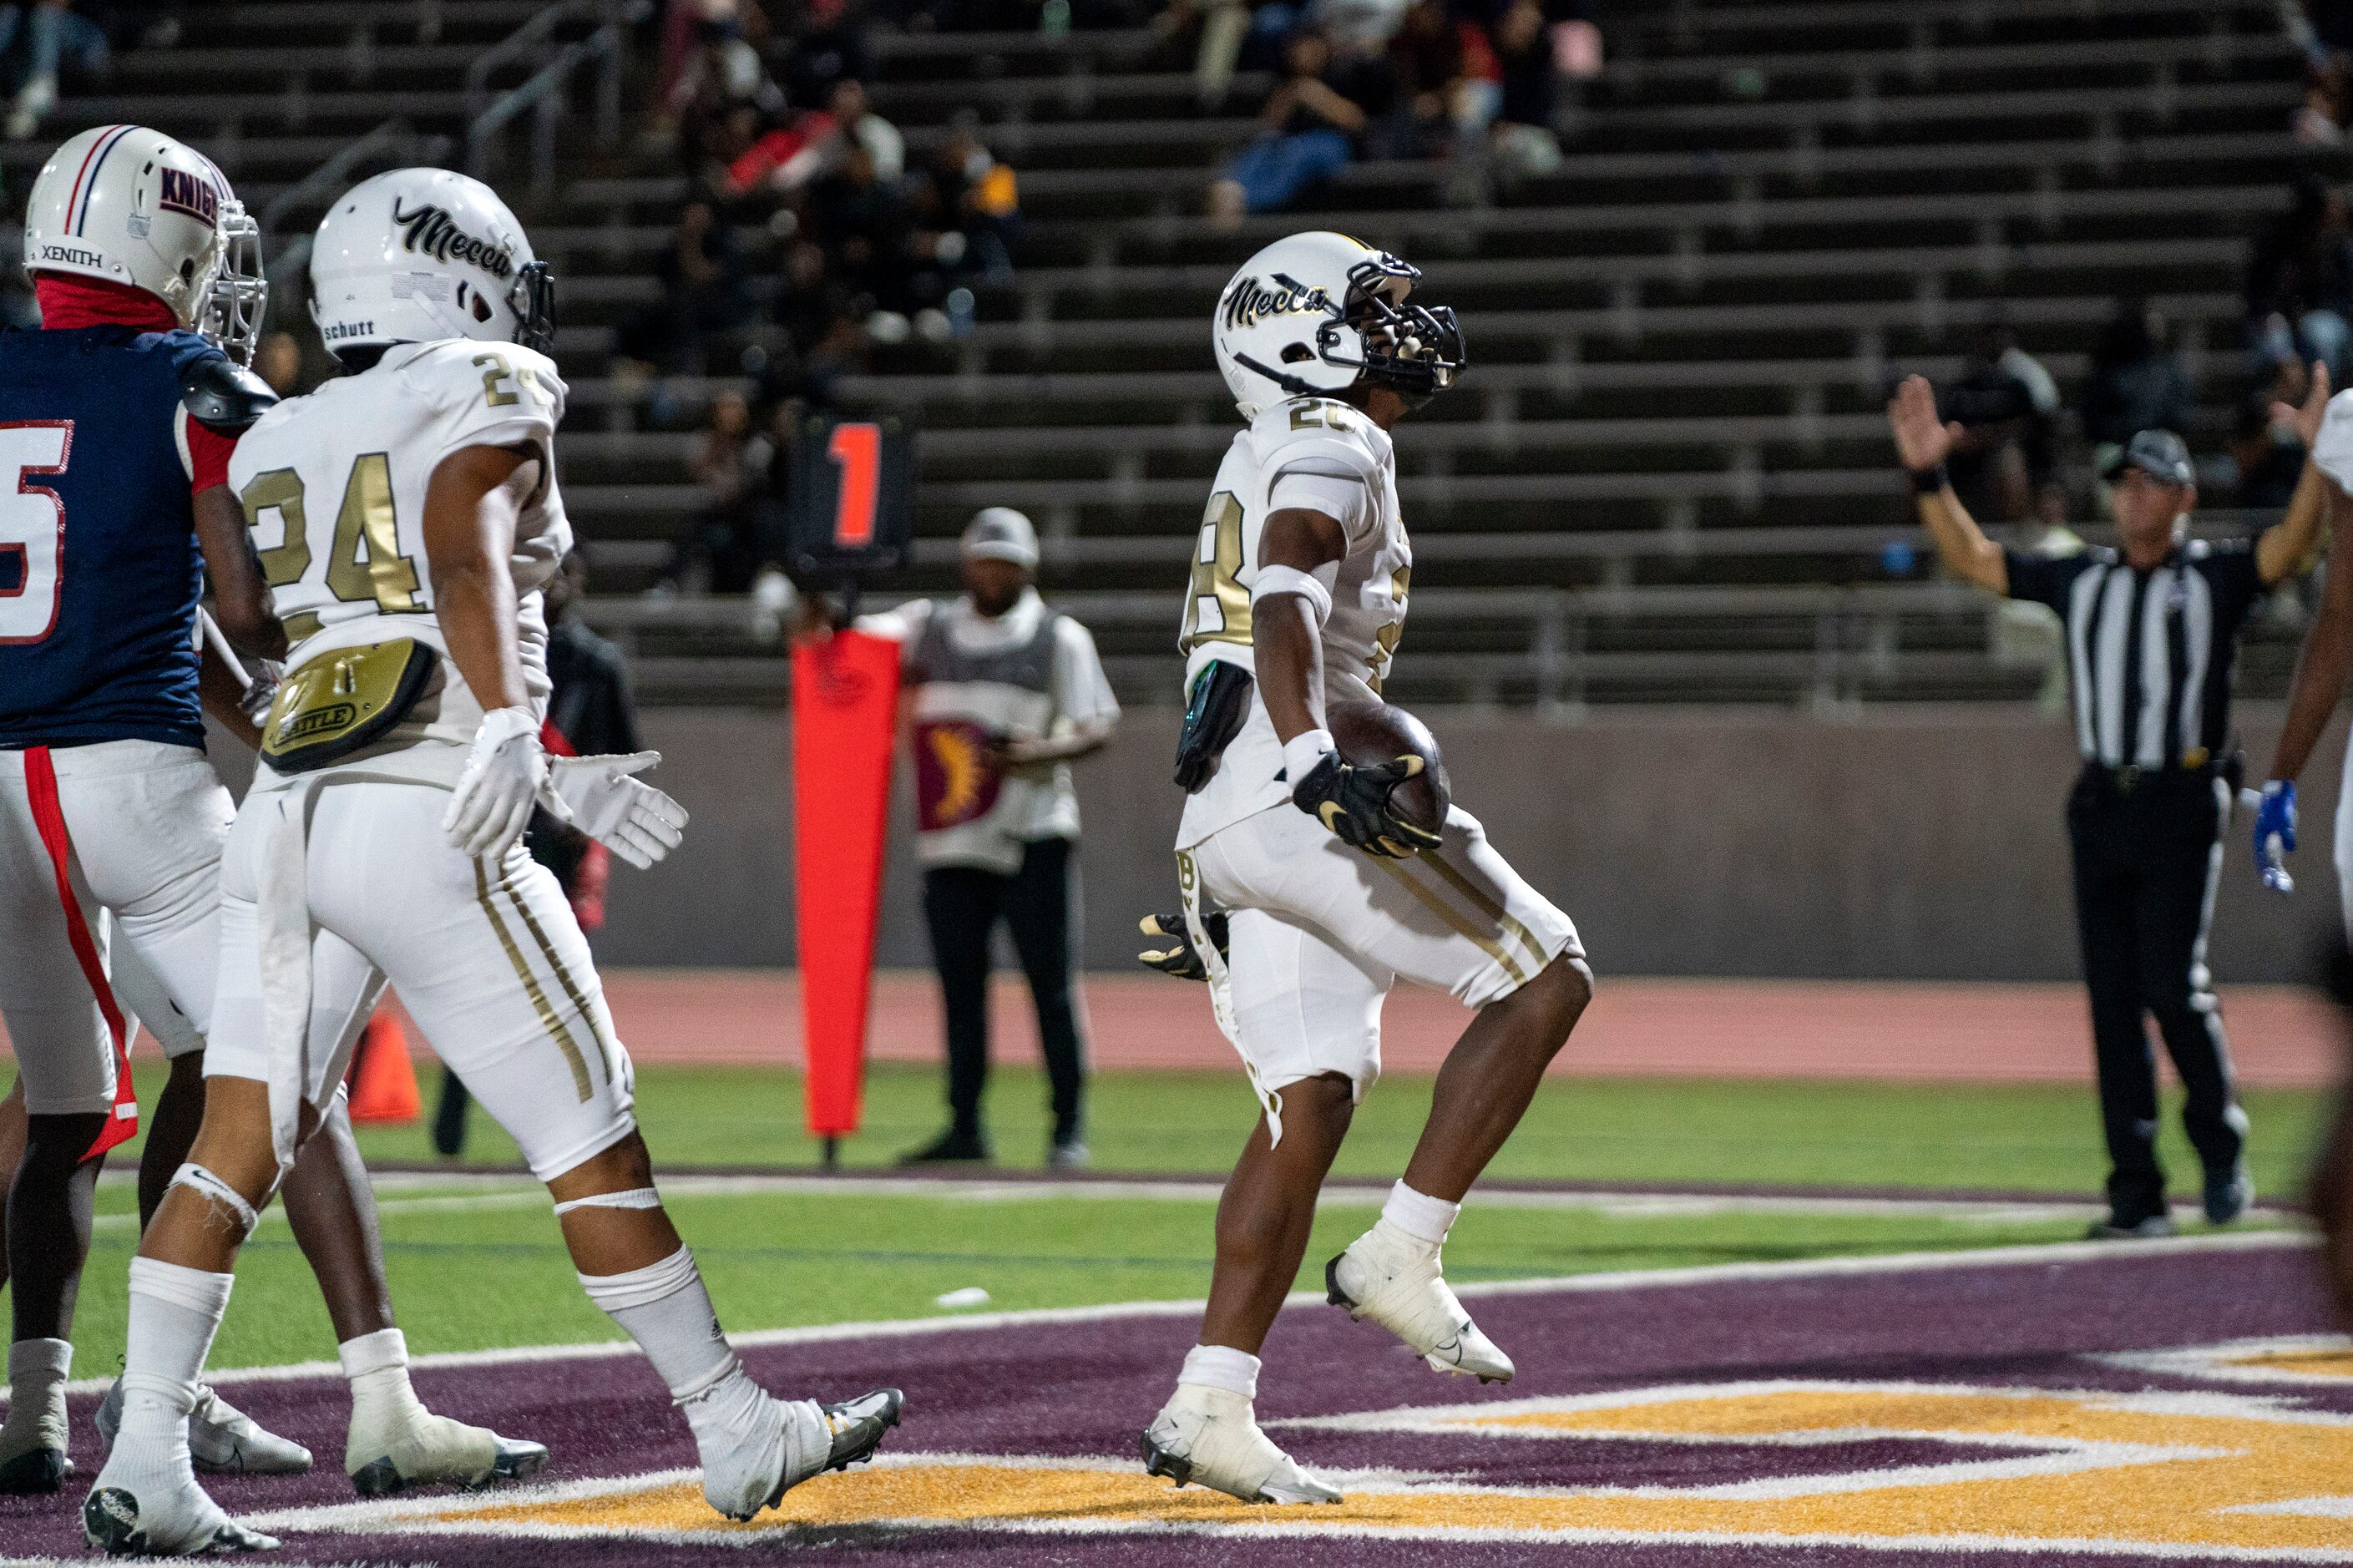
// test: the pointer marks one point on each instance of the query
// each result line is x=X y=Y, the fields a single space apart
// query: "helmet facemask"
x=1415 y=351
x=533 y=300
x=237 y=298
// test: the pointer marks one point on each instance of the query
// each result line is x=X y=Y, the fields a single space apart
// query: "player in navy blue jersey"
x=117 y=420
x=116 y=423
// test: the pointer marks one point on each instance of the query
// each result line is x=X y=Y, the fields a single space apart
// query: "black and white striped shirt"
x=2149 y=653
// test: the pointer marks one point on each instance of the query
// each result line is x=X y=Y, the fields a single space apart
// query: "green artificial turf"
x=2027 y=1137
x=471 y=1268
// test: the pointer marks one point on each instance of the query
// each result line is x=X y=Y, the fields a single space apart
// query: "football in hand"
x=1371 y=733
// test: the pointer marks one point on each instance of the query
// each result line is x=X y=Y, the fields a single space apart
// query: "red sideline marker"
x=845 y=707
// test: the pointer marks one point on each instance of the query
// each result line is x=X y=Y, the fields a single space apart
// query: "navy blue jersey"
x=100 y=571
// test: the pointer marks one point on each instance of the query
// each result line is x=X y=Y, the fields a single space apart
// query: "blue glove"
x=2275 y=834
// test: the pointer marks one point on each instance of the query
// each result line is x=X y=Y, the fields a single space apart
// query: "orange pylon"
x=384 y=1081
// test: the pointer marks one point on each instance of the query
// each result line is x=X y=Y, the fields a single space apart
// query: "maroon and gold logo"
x=957 y=778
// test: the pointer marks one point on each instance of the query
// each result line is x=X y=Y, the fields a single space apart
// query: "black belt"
x=2197 y=768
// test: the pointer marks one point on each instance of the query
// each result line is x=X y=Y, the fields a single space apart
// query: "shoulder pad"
x=221 y=395
x=1320 y=436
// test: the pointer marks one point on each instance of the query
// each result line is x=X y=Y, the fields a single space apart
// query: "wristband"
x=1929 y=481
x=1302 y=752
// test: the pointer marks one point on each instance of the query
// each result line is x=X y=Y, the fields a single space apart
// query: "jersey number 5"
x=32 y=528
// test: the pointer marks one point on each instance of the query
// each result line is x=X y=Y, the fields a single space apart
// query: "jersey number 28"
x=32 y=528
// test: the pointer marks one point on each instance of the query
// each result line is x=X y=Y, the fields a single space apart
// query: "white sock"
x=377 y=1367
x=37 y=1375
x=1418 y=1215
x=175 y=1312
x=666 y=1309
x=1220 y=1366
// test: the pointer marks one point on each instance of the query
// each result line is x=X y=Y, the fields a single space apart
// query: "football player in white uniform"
x=1298 y=598
x=408 y=515
x=141 y=257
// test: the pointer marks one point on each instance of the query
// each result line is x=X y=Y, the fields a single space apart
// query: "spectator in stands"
x=781 y=160
x=1314 y=121
x=1524 y=139
x=2267 y=456
x=2138 y=381
x=2300 y=283
x=723 y=543
x=1449 y=81
x=705 y=296
x=864 y=227
x=853 y=113
x=2007 y=405
x=969 y=201
x=823 y=42
x=54 y=36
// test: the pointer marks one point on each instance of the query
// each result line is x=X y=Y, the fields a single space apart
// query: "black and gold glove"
x=1354 y=803
x=1180 y=958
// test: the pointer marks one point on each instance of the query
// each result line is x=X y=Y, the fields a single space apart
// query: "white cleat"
x=1391 y=1279
x=392 y=1451
x=763 y=1447
x=170 y=1518
x=222 y=1439
x=1210 y=1436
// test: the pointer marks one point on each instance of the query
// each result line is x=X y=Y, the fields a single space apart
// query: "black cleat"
x=1332 y=1294
x=36 y=1472
x=1159 y=1461
x=949 y=1148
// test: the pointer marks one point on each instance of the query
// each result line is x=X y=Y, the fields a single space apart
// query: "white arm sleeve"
x=1344 y=498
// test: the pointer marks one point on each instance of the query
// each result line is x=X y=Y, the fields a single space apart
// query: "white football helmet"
x=134 y=206
x=1315 y=313
x=421 y=255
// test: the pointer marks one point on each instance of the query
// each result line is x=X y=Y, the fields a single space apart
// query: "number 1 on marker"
x=858 y=448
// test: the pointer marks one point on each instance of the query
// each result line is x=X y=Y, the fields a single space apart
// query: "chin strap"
x=1289 y=383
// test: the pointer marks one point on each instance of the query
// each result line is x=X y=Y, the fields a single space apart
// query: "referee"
x=2152 y=631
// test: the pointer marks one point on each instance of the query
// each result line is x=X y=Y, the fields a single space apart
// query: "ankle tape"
x=630 y=1198
x=226 y=1200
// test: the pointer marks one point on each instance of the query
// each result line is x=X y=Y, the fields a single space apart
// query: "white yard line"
x=488 y=1192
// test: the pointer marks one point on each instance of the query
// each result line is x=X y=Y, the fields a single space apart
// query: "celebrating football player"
x=1298 y=599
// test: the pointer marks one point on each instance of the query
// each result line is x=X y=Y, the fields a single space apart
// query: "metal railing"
x=546 y=98
x=534 y=37
x=393 y=139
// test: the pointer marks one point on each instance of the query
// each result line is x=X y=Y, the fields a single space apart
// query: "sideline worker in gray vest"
x=1003 y=694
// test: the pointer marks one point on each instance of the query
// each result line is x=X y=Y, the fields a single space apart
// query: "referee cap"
x=1000 y=533
x=2160 y=453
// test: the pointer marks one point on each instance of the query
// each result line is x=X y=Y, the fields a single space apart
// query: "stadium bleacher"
x=1668 y=477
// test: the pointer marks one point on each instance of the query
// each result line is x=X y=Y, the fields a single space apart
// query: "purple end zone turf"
x=1084 y=1390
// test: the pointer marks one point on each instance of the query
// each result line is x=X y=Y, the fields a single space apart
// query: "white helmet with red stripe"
x=134 y=206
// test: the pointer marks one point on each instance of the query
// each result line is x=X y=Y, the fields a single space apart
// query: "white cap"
x=1000 y=533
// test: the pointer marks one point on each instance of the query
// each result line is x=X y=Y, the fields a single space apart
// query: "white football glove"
x=505 y=774
x=596 y=795
x=260 y=689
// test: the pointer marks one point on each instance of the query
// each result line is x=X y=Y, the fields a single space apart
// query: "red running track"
x=2280 y=1035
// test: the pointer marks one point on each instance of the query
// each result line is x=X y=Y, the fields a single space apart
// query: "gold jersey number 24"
x=363 y=563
